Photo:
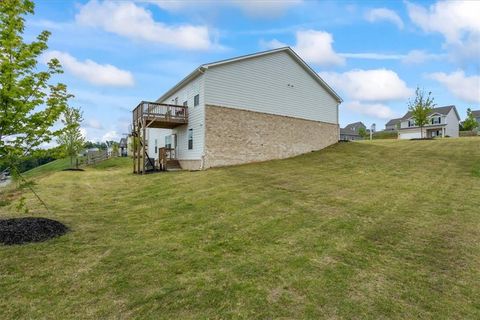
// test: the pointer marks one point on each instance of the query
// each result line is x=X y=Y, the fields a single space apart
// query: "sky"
x=373 y=53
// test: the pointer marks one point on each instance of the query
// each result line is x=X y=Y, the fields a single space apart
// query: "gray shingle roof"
x=441 y=110
x=393 y=122
x=476 y=113
x=352 y=128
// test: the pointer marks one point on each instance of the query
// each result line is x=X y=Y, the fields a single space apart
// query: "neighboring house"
x=123 y=147
x=443 y=122
x=476 y=115
x=393 y=124
x=257 y=107
x=351 y=131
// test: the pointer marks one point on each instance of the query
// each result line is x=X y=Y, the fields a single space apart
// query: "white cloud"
x=372 y=56
x=98 y=74
x=369 y=85
x=272 y=44
x=253 y=8
x=420 y=56
x=316 y=47
x=384 y=14
x=111 y=135
x=84 y=132
x=457 y=21
x=93 y=123
x=129 y=20
x=312 y=46
x=464 y=87
x=376 y=110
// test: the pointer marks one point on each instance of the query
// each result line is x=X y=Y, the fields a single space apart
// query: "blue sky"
x=373 y=53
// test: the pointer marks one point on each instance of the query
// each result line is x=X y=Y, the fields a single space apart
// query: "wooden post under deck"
x=154 y=115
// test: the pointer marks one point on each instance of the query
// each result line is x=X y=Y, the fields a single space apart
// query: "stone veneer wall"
x=190 y=164
x=234 y=136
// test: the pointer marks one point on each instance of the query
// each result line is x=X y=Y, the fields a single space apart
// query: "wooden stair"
x=173 y=165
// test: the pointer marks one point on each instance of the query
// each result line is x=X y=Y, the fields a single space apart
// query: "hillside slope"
x=383 y=229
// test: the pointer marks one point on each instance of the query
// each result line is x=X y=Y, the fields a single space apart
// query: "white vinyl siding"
x=155 y=134
x=196 y=116
x=274 y=84
x=452 y=122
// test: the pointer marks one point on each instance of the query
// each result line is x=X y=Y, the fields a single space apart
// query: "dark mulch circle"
x=422 y=139
x=73 y=169
x=31 y=229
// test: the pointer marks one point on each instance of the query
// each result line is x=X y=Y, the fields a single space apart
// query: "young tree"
x=362 y=132
x=29 y=104
x=470 y=122
x=71 y=139
x=420 y=108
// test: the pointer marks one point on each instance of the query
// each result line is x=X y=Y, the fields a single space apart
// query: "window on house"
x=190 y=139
x=185 y=103
x=196 y=100
x=411 y=123
x=176 y=101
x=168 y=142
x=156 y=146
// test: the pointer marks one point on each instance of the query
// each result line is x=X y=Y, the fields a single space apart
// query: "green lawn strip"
x=382 y=229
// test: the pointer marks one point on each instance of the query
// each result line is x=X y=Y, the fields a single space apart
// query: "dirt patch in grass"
x=414 y=139
x=30 y=229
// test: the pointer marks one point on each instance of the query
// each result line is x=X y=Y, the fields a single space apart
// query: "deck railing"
x=167 y=112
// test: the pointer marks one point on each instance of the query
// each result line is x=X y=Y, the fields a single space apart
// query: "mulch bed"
x=31 y=229
x=73 y=169
x=422 y=139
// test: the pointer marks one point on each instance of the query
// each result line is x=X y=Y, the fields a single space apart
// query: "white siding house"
x=257 y=107
x=443 y=122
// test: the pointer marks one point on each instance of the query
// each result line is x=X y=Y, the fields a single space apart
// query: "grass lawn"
x=54 y=166
x=382 y=229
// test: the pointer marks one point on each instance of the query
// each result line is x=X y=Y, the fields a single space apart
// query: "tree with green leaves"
x=420 y=108
x=362 y=132
x=29 y=103
x=470 y=122
x=71 y=139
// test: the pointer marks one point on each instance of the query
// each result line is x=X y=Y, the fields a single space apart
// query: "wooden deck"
x=154 y=115
x=160 y=115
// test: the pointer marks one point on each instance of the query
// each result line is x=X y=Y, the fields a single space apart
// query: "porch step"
x=173 y=165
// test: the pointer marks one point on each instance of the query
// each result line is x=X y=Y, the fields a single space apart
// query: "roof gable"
x=202 y=68
x=393 y=122
x=353 y=128
x=440 y=110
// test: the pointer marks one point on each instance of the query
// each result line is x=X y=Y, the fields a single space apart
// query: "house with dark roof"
x=352 y=131
x=443 y=122
x=393 y=124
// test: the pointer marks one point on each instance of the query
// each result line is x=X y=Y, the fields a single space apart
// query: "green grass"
x=382 y=229
x=56 y=165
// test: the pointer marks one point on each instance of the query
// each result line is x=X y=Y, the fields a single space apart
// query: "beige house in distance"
x=257 y=107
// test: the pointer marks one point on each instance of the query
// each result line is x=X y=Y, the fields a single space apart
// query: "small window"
x=156 y=148
x=176 y=101
x=190 y=139
x=196 y=100
x=168 y=142
x=185 y=103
